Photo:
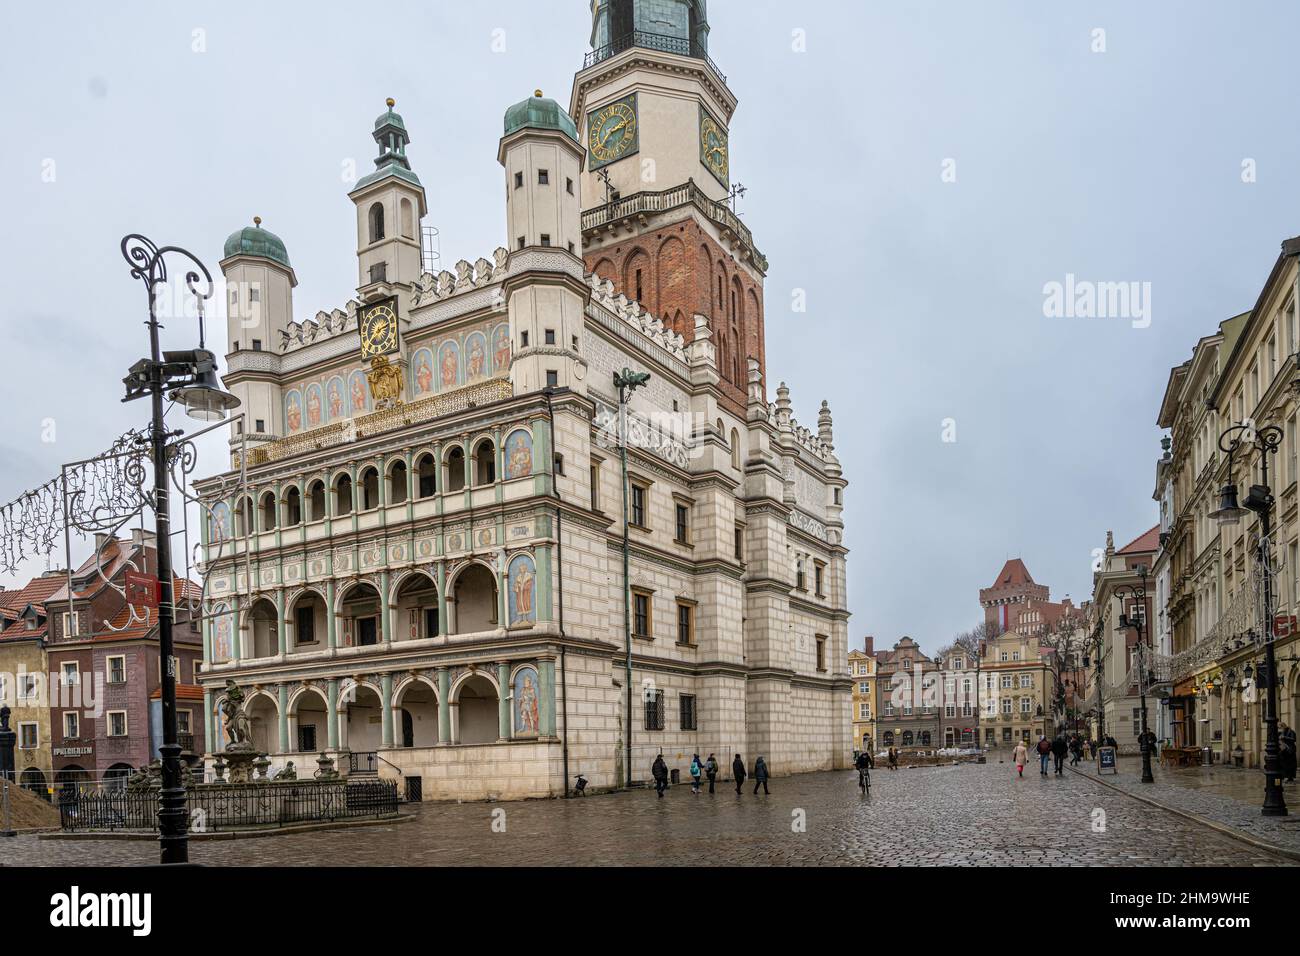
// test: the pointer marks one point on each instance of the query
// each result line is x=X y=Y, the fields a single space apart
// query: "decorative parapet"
x=385 y=420
x=805 y=438
x=635 y=315
x=434 y=288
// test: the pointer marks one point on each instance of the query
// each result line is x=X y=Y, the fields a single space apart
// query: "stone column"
x=503 y=700
x=331 y=618
x=546 y=674
x=332 y=713
x=386 y=708
x=282 y=693
x=444 y=625
x=385 y=611
x=209 y=723
x=444 y=706
x=282 y=620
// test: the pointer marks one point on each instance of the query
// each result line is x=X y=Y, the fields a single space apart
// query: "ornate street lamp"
x=1138 y=592
x=627 y=382
x=190 y=379
x=1260 y=500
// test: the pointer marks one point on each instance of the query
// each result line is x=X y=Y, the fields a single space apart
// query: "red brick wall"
x=684 y=271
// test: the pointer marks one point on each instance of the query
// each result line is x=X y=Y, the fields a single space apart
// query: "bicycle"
x=864 y=779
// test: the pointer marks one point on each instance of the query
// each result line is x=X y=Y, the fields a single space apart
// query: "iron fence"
x=230 y=806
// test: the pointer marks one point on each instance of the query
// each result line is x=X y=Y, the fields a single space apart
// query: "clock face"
x=713 y=148
x=379 y=330
x=613 y=132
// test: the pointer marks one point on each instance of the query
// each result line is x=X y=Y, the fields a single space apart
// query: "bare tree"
x=1067 y=641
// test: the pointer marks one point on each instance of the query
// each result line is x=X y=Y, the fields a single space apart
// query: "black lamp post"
x=1259 y=500
x=627 y=382
x=1138 y=592
x=189 y=378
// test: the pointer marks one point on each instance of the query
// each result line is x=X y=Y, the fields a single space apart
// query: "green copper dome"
x=390 y=118
x=538 y=112
x=255 y=241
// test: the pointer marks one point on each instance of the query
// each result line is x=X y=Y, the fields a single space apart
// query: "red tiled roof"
x=183 y=692
x=1013 y=572
x=1147 y=541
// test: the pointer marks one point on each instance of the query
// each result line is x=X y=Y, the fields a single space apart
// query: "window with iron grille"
x=687 y=706
x=654 y=710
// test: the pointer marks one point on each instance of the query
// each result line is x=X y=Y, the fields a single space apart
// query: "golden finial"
x=257 y=221
x=391 y=102
x=537 y=93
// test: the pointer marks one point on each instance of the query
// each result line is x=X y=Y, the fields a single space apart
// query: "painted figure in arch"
x=519 y=455
x=523 y=585
x=475 y=357
x=423 y=373
x=293 y=412
x=501 y=359
x=220 y=522
x=358 y=393
x=336 y=398
x=527 y=705
x=313 y=406
x=222 y=631
x=450 y=364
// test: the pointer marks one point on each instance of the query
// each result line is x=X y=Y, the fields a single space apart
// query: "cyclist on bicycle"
x=864 y=763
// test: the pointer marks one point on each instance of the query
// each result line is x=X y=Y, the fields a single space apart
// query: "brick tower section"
x=679 y=270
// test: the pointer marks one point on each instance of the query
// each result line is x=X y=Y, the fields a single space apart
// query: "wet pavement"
x=967 y=815
x=1228 y=796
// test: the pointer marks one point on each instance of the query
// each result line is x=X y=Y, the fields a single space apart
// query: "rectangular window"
x=117 y=670
x=523 y=339
x=546 y=238
x=521 y=242
x=641 y=619
x=257 y=345
x=685 y=623
x=519 y=180
x=819 y=571
x=69 y=624
x=572 y=249
x=821 y=652
x=117 y=723
x=1026 y=705
x=683 y=525
x=1006 y=681
x=638 y=505
x=864 y=687
x=543 y=177
x=261 y=426
x=552 y=378
x=549 y=336
x=71 y=725
x=687 y=707
x=430 y=622
x=182 y=721
x=29 y=737
x=950 y=710
x=1026 y=680
x=1006 y=705
x=27 y=687
x=71 y=674
x=305 y=625
x=568 y=186
x=639 y=295
x=740 y=544
x=654 y=710
x=306 y=739
x=595 y=486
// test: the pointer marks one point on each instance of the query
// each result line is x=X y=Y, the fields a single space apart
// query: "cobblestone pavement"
x=966 y=815
x=1227 y=796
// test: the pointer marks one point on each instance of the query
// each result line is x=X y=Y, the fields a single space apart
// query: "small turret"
x=390 y=205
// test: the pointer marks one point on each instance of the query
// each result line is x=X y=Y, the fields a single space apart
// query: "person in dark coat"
x=760 y=776
x=1287 y=753
x=738 y=771
x=659 y=770
x=711 y=771
x=1059 y=749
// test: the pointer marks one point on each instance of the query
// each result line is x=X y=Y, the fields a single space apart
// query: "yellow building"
x=1014 y=696
x=862 y=669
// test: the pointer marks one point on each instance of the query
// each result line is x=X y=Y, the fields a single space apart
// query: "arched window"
x=426 y=470
x=370 y=489
x=735 y=449
x=376 y=222
x=316 y=500
x=244 y=517
x=485 y=463
x=267 y=517
x=397 y=483
x=343 y=495
x=456 y=469
x=408 y=219
x=292 y=508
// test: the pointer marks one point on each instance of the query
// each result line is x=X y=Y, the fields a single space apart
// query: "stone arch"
x=267 y=507
x=604 y=268
x=344 y=493
x=671 y=274
x=475 y=700
x=705 y=305
x=359 y=604
x=308 y=712
x=368 y=487
x=245 y=516
x=453 y=462
x=415 y=712
x=397 y=477
x=294 y=702
x=361 y=708
x=753 y=326
x=375 y=218
x=261 y=618
x=413 y=600
x=484 y=465
x=426 y=474
x=263 y=712
x=473 y=599
x=315 y=501
x=291 y=506
x=408 y=219
x=308 y=631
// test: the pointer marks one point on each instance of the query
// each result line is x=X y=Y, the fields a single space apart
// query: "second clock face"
x=714 y=148
x=378 y=330
x=613 y=131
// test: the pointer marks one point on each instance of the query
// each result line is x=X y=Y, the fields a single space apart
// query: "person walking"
x=1287 y=752
x=1020 y=756
x=1044 y=750
x=893 y=759
x=864 y=763
x=738 y=771
x=760 y=776
x=697 y=770
x=1076 y=750
x=659 y=770
x=1059 y=748
x=711 y=770
x=1092 y=749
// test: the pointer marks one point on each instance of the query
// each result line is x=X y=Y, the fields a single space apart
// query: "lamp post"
x=1138 y=592
x=627 y=382
x=189 y=378
x=1259 y=500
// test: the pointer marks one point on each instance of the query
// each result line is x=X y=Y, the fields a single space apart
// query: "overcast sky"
x=1112 y=156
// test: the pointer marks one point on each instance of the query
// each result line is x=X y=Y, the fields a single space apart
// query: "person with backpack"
x=659 y=770
x=1044 y=749
x=738 y=772
x=696 y=771
x=711 y=771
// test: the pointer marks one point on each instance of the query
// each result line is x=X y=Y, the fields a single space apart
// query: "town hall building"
x=415 y=562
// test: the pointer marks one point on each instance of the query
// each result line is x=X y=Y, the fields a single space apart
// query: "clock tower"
x=654 y=114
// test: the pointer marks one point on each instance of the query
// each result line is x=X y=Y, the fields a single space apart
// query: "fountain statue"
x=240 y=755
